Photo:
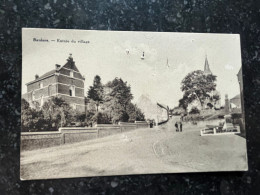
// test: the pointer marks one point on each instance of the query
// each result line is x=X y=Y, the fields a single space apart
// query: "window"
x=41 y=84
x=72 y=91
x=74 y=106
x=49 y=90
x=71 y=73
x=33 y=95
x=41 y=103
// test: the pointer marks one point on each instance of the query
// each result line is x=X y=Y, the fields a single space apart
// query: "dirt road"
x=156 y=150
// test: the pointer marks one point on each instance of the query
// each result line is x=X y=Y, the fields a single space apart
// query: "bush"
x=193 y=117
x=31 y=119
x=53 y=114
x=194 y=110
x=100 y=118
x=236 y=118
x=124 y=117
x=210 y=105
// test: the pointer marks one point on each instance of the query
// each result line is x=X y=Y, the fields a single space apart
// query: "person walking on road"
x=176 y=125
x=180 y=126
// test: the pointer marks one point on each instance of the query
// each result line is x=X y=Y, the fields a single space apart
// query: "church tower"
x=227 y=104
x=207 y=71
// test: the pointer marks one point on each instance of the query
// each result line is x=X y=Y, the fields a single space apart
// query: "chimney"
x=57 y=66
x=36 y=76
x=70 y=58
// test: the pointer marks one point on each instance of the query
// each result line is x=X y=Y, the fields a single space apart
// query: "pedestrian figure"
x=180 y=127
x=176 y=125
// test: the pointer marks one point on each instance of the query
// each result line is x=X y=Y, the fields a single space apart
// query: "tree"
x=120 y=92
x=96 y=92
x=31 y=119
x=135 y=114
x=57 y=113
x=117 y=99
x=197 y=86
x=89 y=116
x=214 y=98
x=184 y=102
x=100 y=118
x=178 y=110
x=123 y=117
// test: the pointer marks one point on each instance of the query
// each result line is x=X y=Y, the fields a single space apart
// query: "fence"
x=37 y=140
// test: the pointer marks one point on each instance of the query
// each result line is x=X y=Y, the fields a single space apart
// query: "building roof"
x=236 y=97
x=70 y=64
x=47 y=74
x=206 y=67
x=52 y=72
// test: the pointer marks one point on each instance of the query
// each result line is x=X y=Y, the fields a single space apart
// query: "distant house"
x=240 y=81
x=64 y=81
x=235 y=101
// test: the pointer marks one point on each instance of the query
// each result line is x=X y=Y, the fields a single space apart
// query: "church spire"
x=206 y=67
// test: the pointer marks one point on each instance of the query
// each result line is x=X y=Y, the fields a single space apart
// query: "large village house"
x=64 y=81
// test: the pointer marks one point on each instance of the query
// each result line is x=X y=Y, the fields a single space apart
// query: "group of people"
x=178 y=126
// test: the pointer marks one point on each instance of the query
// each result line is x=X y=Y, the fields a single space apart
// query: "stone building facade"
x=64 y=81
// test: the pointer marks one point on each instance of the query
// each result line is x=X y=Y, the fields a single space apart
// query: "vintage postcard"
x=101 y=103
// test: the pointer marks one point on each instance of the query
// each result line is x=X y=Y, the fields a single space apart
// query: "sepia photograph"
x=102 y=103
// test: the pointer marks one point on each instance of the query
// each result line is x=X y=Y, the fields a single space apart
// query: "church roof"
x=206 y=67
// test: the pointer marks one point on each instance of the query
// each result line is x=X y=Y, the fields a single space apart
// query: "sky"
x=111 y=54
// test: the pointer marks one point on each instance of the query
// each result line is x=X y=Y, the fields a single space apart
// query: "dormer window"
x=41 y=84
x=72 y=90
x=71 y=73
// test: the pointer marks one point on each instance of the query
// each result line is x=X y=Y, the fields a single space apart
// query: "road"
x=142 y=151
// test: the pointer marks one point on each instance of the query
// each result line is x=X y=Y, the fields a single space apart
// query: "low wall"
x=37 y=140
x=106 y=130
x=141 y=124
x=127 y=126
x=72 y=135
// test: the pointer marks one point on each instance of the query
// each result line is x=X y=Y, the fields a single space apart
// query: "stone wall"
x=127 y=126
x=37 y=140
x=106 y=130
x=65 y=135
x=77 y=134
